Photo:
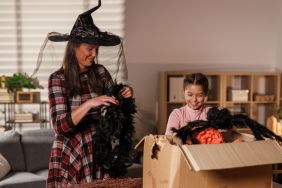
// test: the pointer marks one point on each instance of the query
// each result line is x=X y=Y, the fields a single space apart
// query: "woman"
x=76 y=94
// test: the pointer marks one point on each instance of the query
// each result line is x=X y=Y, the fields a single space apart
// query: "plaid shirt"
x=71 y=159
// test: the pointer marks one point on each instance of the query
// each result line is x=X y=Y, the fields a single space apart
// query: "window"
x=25 y=23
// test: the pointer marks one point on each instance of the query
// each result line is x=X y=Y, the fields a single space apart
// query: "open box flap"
x=159 y=139
x=232 y=155
x=140 y=143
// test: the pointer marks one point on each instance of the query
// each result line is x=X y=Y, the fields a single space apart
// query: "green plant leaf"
x=22 y=80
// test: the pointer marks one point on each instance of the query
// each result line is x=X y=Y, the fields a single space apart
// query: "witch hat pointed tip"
x=84 y=30
x=90 y=11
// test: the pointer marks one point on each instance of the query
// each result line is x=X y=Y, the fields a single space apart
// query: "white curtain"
x=25 y=23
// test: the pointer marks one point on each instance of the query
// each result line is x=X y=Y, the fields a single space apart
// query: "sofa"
x=28 y=153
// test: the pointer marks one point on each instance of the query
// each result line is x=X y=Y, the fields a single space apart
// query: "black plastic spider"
x=222 y=119
x=113 y=144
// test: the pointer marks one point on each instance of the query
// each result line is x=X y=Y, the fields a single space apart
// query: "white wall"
x=202 y=35
x=279 y=34
x=202 y=31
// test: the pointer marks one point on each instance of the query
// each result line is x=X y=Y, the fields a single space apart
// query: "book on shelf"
x=23 y=120
x=3 y=90
x=176 y=91
x=6 y=99
x=24 y=117
x=5 y=96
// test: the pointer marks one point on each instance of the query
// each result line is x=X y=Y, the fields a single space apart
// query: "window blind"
x=25 y=23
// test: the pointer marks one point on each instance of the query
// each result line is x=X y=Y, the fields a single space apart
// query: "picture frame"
x=24 y=97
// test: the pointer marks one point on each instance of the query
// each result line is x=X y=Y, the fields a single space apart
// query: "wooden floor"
x=276 y=185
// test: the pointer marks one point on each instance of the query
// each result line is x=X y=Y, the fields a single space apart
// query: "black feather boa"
x=113 y=145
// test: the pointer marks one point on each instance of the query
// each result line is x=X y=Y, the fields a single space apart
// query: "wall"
x=279 y=33
x=202 y=35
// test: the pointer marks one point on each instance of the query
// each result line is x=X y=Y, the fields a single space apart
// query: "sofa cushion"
x=43 y=173
x=11 y=149
x=23 y=179
x=37 y=147
x=4 y=166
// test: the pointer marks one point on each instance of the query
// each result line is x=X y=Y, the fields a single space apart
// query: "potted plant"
x=19 y=81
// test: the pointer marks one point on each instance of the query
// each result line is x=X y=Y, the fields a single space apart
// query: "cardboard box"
x=229 y=165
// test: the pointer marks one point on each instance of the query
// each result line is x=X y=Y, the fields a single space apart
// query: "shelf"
x=40 y=113
x=250 y=102
x=43 y=102
x=208 y=102
x=176 y=102
x=238 y=102
x=264 y=102
x=254 y=85
x=34 y=121
x=276 y=171
x=212 y=102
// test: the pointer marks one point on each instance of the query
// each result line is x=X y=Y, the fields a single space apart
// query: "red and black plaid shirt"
x=71 y=160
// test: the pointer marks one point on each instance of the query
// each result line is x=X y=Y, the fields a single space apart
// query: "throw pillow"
x=4 y=166
x=11 y=149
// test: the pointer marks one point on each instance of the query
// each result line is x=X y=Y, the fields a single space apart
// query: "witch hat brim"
x=85 y=31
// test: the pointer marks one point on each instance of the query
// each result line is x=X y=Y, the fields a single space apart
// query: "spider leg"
x=182 y=133
x=245 y=120
x=188 y=131
x=257 y=129
x=267 y=133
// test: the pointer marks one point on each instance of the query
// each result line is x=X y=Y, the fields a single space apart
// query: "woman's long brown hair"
x=72 y=71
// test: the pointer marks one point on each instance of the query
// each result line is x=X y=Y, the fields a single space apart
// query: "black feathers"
x=221 y=119
x=113 y=144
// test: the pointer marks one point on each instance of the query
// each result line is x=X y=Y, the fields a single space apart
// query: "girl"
x=195 y=91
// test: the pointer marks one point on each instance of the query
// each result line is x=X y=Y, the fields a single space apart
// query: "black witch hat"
x=85 y=31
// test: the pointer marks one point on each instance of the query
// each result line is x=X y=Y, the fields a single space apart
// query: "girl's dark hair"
x=72 y=71
x=197 y=79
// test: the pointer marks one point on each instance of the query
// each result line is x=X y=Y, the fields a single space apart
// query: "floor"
x=276 y=185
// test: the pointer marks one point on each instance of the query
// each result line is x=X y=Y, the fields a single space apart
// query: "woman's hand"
x=126 y=92
x=102 y=100
x=83 y=109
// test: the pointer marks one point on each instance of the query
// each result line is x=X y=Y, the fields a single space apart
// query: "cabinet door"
x=175 y=94
x=175 y=89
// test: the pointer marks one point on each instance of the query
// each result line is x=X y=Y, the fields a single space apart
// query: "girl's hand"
x=126 y=92
x=102 y=100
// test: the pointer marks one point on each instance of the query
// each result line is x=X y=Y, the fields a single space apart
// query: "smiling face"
x=85 y=55
x=194 y=96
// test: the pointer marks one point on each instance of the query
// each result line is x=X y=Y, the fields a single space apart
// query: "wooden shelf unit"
x=260 y=86
x=10 y=110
